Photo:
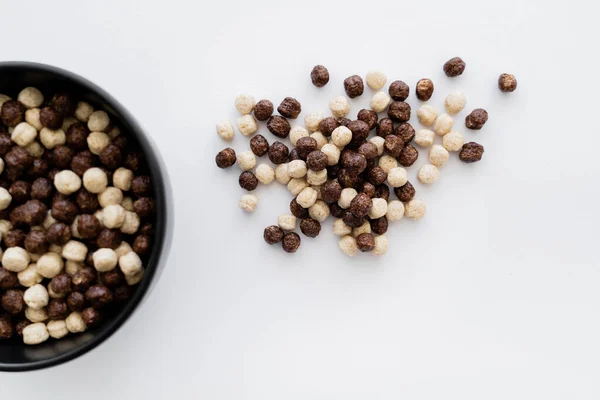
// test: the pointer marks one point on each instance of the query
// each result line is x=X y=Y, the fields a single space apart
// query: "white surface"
x=494 y=295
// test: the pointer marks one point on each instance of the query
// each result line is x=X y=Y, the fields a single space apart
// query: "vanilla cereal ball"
x=265 y=174
x=281 y=174
x=123 y=249
x=348 y=245
x=347 y=195
x=247 y=125
x=379 y=208
x=320 y=138
x=397 y=177
x=105 y=259
x=113 y=216
x=246 y=160
x=379 y=142
x=341 y=136
x=110 y=196
x=380 y=101
x=307 y=197
x=287 y=222
x=428 y=174
x=29 y=276
x=50 y=139
x=95 y=180
x=130 y=264
x=332 y=152
x=49 y=265
x=340 y=228
x=424 y=137
x=67 y=122
x=57 y=329
x=376 y=79
x=72 y=267
x=36 y=297
x=97 y=141
x=381 y=245
x=134 y=279
x=34 y=315
x=245 y=103
x=453 y=141
x=131 y=223
x=5 y=226
x=31 y=97
x=83 y=111
x=297 y=169
x=296 y=133
x=364 y=228
x=75 y=323
x=340 y=107
x=415 y=209
x=296 y=185
x=67 y=182
x=127 y=203
x=24 y=134
x=74 y=250
x=387 y=163
x=426 y=115
x=98 y=121
x=35 y=333
x=35 y=149
x=15 y=259
x=443 y=124
x=319 y=211
x=316 y=178
x=225 y=131
x=32 y=117
x=248 y=202
x=438 y=155
x=313 y=120
x=122 y=179
x=112 y=132
x=5 y=198
x=455 y=102
x=395 y=210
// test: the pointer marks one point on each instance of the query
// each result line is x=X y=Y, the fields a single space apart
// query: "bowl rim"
x=166 y=235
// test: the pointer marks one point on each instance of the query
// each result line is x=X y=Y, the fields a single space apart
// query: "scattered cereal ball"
x=95 y=180
x=341 y=136
x=379 y=208
x=290 y=242
x=244 y=103
x=364 y=228
x=424 y=137
x=225 y=131
x=380 y=101
x=97 y=141
x=348 y=245
x=340 y=107
x=387 y=163
x=110 y=195
x=507 y=83
x=426 y=114
x=381 y=245
x=281 y=174
x=131 y=223
x=395 y=210
x=49 y=265
x=316 y=177
x=454 y=67
x=378 y=141
x=123 y=249
x=31 y=97
x=32 y=117
x=376 y=79
x=5 y=198
x=113 y=216
x=313 y=120
x=453 y=141
x=24 y=134
x=443 y=124
x=397 y=177
x=471 y=152
x=278 y=126
x=29 y=276
x=35 y=149
x=122 y=179
x=455 y=102
x=246 y=160
x=36 y=297
x=67 y=182
x=15 y=259
x=75 y=323
x=35 y=333
x=273 y=234
x=105 y=260
x=415 y=209
x=98 y=121
x=319 y=211
x=57 y=329
x=320 y=138
x=248 y=202
x=263 y=110
x=297 y=169
x=319 y=76
x=34 y=315
x=76 y=251
x=476 y=119
x=248 y=181
x=332 y=152
x=365 y=242
x=340 y=228
x=438 y=155
x=247 y=125
x=83 y=111
x=50 y=139
x=307 y=197
x=265 y=174
x=290 y=108
x=428 y=174
x=287 y=222
x=348 y=194
x=297 y=133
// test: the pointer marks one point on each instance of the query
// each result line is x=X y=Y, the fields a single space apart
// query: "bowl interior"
x=14 y=355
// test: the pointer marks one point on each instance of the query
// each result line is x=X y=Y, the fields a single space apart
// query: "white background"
x=494 y=295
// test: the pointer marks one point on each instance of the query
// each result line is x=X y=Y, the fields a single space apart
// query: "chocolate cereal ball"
x=31 y=213
x=14 y=238
x=36 y=242
x=336 y=210
x=111 y=156
x=506 y=83
x=64 y=211
x=454 y=67
x=297 y=210
x=405 y=131
x=393 y=145
x=289 y=108
x=50 y=118
x=12 y=113
x=279 y=126
x=385 y=127
x=365 y=242
x=376 y=175
x=353 y=160
x=310 y=227
x=12 y=301
x=225 y=158
x=316 y=160
x=75 y=301
x=109 y=239
x=290 y=242
x=263 y=110
x=399 y=111
x=18 y=158
x=369 y=117
x=360 y=131
x=58 y=234
x=82 y=161
x=352 y=220
x=382 y=191
x=319 y=76
x=369 y=150
x=293 y=155
x=259 y=145
x=399 y=90
x=367 y=188
x=248 y=181
x=8 y=279
x=471 y=152
x=405 y=193
x=424 y=89
x=20 y=325
x=408 y=155
x=86 y=201
x=88 y=226
x=354 y=86
x=305 y=145
x=58 y=309
x=141 y=186
x=76 y=136
x=7 y=329
x=328 y=125
x=141 y=244
x=133 y=161
x=99 y=296
x=20 y=192
x=273 y=234
x=143 y=207
x=60 y=284
x=113 y=278
x=331 y=191
x=63 y=104
x=476 y=119
x=360 y=205
x=62 y=156
x=278 y=153
x=91 y=317
x=379 y=225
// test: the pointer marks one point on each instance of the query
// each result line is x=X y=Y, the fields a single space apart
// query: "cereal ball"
x=246 y=160
x=352 y=220
x=397 y=177
x=376 y=175
x=319 y=76
x=60 y=284
x=67 y=182
x=365 y=242
x=348 y=245
x=50 y=118
x=471 y=152
x=141 y=186
x=31 y=97
x=399 y=111
x=105 y=260
x=319 y=211
x=316 y=160
x=36 y=150
x=281 y=174
x=310 y=227
x=476 y=119
x=95 y=180
x=336 y=210
x=360 y=205
x=332 y=152
x=341 y=136
x=399 y=90
x=76 y=301
x=353 y=85
x=131 y=223
x=453 y=141
x=123 y=177
x=428 y=174
x=273 y=234
x=313 y=120
x=348 y=177
x=36 y=297
x=224 y=159
x=304 y=146
x=340 y=228
x=244 y=103
x=108 y=238
x=24 y=134
x=296 y=185
x=364 y=228
x=8 y=280
x=387 y=163
x=130 y=263
x=62 y=156
x=395 y=210
x=443 y=124
x=339 y=106
x=379 y=208
x=328 y=125
x=15 y=259
x=82 y=161
x=408 y=155
x=438 y=155
x=57 y=309
x=75 y=323
x=248 y=202
x=426 y=114
x=316 y=178
x=290 y=108
x=110 y=196
x=380 y=225
x=141 y=245
x=378 y=141
x=424 y=89
x=83 y=111
x=279 y=126
x=50 y=139
x=74 y=250
x=12 y=301
x=265 y=174
x=346 y=197
x=34 y=315
x=380 y=101
x=259 y=145
x=424 y=137
x=381 y=246
x=14 y=238
x=98 y=121
x=297 y=210
x=369 y=117
x=36 y=242
x=248 y=181
x=76 y=136
x=307 y=197
x=91 y=317
x=32 y=117
x=291 y=242
x=507 y=83
x=415 y=209
x=19 y=191
x=57 y=329
x=63 y=104
x=12 y=113
x=455 y=102
x=113 y=216
x=454 y=67
x=97 y=142
x=111 y=156
x=247 y=125
x=297 y=169
x=263 y=110
x=278 y=153
x=405 y=193
x=35 y=333
x=368 y=150
x=331 y=191
x=225 y=131
x=287 y=222
x=319 y=138
x=376 y=79
x=393 y=145
x=297 y=133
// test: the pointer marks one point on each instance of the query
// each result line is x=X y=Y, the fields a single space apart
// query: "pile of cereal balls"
x=76 y=216
x=335 y=166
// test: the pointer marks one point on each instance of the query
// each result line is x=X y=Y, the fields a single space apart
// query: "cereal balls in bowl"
x=85 y=218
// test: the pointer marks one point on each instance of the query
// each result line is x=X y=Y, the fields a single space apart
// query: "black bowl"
x=14 y=76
